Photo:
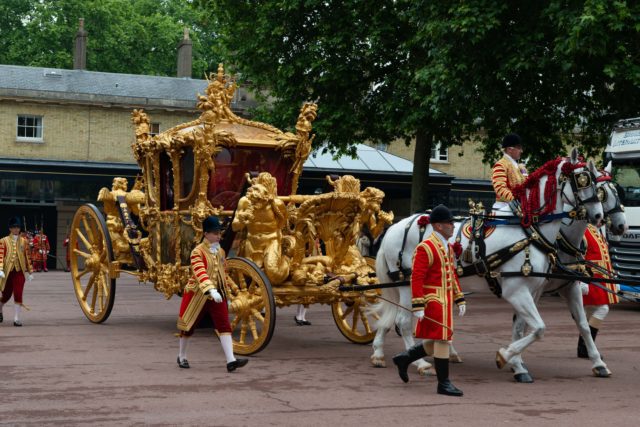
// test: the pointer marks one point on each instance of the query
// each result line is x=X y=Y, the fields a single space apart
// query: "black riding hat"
x=511 y=140
x=440 y=213
x=211 y=224
x=15 y=222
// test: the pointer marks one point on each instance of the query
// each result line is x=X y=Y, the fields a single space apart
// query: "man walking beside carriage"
x=206 y=292
x=435 y=288
x=595 y=299
x=14 y=264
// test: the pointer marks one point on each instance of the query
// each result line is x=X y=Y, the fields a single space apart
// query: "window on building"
x=439 y=153
x=155 y=129
x=29 y=128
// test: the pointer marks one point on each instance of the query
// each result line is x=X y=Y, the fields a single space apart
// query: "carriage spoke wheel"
x=91 y=256
x=352 y=319
x=253 y=310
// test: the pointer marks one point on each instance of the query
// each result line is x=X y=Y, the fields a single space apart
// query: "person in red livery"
x=595 y=299
x=14 y=264
x=435 y=288
x=68 y=254
x=507 y=173
x=206 y=293
x=41 y=251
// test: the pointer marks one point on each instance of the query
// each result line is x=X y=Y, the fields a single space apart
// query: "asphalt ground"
x=60 y=369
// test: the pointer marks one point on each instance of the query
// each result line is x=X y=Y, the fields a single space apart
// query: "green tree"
x=440 y=71
x=124 y=36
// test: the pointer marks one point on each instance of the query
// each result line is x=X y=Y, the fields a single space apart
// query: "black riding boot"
x=404 y=359
x=582 y=349
x=444 y=385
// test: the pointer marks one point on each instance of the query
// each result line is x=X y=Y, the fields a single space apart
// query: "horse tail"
x=385 y=311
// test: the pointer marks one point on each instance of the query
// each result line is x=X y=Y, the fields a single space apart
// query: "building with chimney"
x=64 y=134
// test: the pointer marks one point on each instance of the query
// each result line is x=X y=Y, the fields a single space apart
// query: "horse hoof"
x=524 y=378
x=398 y=331
x=426 y=371
x=378 y=362
x=601 y=372
x=455 y=358
x=500 y=360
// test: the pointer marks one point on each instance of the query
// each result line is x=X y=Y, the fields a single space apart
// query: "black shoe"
x=306 y=323
x=1 y=318
x=298 y=322
x=17 y=323
x=404 y=359
x=448 y=389
x=238 y=363
x=184 y=363
x=444 y=385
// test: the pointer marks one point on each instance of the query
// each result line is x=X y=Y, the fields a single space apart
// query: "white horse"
x=395 y=305
x=572 y=233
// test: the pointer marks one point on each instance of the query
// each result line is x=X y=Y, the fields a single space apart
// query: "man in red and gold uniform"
x=40 y=251
x=68 y=254
x=507 y=173
x=595 y=299
x=14 y=264
x=435 y=288
x=207 y=292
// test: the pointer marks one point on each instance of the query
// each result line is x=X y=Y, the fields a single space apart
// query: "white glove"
x=584 y=288
x=41 y=251
x=419 y=314
x=215 y=295
x=1 y=274
x=462 y=309
x=617 y=285
x=29 y=277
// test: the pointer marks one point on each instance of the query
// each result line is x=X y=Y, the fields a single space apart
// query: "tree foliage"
x=553 y=71
x=124 y=36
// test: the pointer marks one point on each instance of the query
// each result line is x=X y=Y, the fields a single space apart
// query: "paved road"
x=59 y=369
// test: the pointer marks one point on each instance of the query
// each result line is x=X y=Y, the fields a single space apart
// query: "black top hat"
x=511 y=140
x=15 y=222
x=211 y=224
x=440 y=213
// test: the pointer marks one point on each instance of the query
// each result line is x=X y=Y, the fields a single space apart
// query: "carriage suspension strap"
x=131 y=232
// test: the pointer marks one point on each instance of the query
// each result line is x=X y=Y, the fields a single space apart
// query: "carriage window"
x=186 y=171
x=154 y=129
x=166 y=182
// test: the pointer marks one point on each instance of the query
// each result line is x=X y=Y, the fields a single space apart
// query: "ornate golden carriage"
x=247 y=173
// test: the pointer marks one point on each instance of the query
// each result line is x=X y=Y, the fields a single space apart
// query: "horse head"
x=614 y=215
x=581 y=193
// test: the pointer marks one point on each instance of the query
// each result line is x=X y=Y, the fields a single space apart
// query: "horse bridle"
x=580 y=181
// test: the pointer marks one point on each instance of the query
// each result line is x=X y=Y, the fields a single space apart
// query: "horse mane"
x=530 y=204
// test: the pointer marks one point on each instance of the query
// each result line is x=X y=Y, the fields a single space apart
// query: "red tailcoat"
x=434 y=284
x=208 y=272
x=598 y=252
x=41 y=248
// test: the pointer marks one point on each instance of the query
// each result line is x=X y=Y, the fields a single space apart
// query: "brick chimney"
x=185 y=56
x=80 y=48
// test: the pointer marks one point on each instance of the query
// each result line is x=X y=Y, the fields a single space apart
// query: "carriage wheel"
x=353 y=321
x=253 y=307
x=91 y=256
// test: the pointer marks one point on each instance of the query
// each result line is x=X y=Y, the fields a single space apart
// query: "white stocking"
x=227 y=347
x=16 y=316
x=184 y=341
x=302 y=312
